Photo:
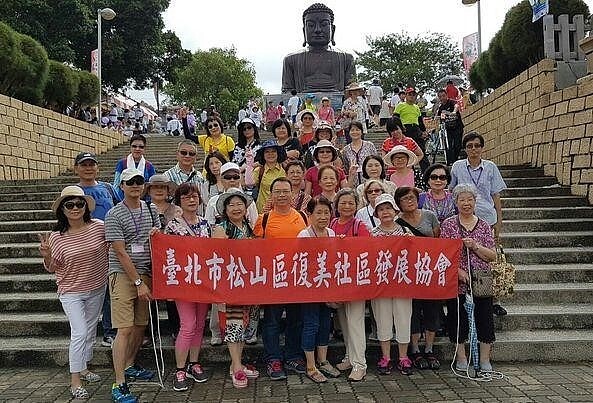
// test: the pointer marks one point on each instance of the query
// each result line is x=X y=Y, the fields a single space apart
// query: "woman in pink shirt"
x=326 y=112
x=76 y=251
x=402 y=160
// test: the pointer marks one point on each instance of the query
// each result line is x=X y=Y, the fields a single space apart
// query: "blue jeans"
x=108 y=331
x=292 y=332
x=316 y=325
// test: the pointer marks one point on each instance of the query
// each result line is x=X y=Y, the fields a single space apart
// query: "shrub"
x=61 y=86
x=88 y=88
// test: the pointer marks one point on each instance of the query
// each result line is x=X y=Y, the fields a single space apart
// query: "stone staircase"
x=547 y=234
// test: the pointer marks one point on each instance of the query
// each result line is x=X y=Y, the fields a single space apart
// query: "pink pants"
x=192 y=318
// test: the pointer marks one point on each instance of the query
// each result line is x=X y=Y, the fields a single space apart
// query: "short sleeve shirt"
x=408 y=113
x=312 y=174
x=280 y=225
x=407 y=142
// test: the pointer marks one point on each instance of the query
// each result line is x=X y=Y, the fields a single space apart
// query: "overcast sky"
x=264 y=31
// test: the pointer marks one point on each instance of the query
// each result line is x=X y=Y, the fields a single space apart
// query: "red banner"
x=272 y=271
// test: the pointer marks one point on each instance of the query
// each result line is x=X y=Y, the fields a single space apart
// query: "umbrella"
x=473 y=336
x=450 y=77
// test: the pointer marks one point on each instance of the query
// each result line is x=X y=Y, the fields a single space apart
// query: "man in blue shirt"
x=86 y=167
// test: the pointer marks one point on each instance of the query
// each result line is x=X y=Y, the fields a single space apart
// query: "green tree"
x=88 y=88
x=475 y=78
x=218 y=77
x=416 y=60
x=170 y=58
x=61 y=86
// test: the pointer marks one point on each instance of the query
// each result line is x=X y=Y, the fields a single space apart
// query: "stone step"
x=26 y=205
x=22 y=265
x=550 y=255
x=519 y=345
x=25 y=249
x=547 y=239
x=30 y=302
x=25 y=215
x=559 y=224
x=542 y=293
x=544 y=201
x=29 y=197
x=33 y=282
x=518 y=172
x=549 y=273
x=535 y=191
x=536 y=181
x=39 y=226
x=544 y=213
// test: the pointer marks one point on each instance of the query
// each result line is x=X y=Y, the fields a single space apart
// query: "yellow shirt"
x=225 y=145
x=264 y=187
x=408 y=114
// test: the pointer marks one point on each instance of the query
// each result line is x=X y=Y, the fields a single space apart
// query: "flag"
x=95 y=62
x=540 y=8
x=470 y=50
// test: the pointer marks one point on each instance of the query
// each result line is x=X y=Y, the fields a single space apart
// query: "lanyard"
x=471 y=175
x=371 y=217
x=190 y=227
x=134 y=219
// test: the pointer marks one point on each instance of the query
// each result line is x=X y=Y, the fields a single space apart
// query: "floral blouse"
x=179 y=226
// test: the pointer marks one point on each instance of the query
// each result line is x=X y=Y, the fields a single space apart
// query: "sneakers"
x=357 y=375
x=195 y=372
x=404 y=365
x=121 y=394
x=107 y=341
x=275 y=370
x=79 y=393
x=297 y=366
x=136 y=372
x=384 y=366
x=328 y=370
x=499 y=310
x=90 y=377
x=461 y=365
x=419 y=361
x=180 y=381
x=344 y=365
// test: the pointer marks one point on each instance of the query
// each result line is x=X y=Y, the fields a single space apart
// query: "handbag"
x=503 y=274
x=482 y=283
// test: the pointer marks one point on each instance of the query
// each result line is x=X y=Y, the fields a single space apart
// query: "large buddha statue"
x=317 y=68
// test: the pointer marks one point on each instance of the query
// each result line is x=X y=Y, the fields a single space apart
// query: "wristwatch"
x=138 y=282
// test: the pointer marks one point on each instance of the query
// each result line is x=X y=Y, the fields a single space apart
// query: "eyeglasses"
x=136 y=180
x=470 y=146
x=213 y=125
x=231 y=177
x=140 y=146
x=191 y=196
x=439 y=177
x=281 y=192
x=186 y=153
x=372 y=191
x=69 y=205
x=408 y=198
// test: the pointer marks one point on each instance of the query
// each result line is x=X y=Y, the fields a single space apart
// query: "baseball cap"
x=229 y=166
x=410 y=90
x=85 y=156
x=129 y=173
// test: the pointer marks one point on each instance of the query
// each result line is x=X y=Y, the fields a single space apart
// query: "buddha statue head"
x=318 y=26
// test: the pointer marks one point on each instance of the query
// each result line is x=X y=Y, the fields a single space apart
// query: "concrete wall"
x=37 y=143
x=526 y=121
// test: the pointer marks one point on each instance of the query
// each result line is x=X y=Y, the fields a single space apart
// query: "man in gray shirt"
x=128 y=227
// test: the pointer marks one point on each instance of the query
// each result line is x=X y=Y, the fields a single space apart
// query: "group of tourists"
x=284 y=187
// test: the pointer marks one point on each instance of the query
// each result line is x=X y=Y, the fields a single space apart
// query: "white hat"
x=230 y=193
x=412 y=159
x=325 y=144
x=73 y=191
x=130 y=173
x=229 y=166
x=160 y=179
x=382 y=199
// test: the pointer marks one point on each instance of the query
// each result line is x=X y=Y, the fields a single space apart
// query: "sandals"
x=344 y=365
x=90 y=377
x=433 y=362
x=316 y=376
x=328 y=370
x=419 y=361
x=250 y=371
x=239 y=379
x=79 y=393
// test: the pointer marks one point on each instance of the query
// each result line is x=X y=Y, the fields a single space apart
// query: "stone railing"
x=37 y=143
x=526 y=121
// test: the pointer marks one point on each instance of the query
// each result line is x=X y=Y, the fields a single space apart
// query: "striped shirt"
x=177 y=176
x=80 y=260
x=131 y=226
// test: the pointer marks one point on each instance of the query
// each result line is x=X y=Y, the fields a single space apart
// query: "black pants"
x=413 y=131
x=425 y=315
x=454 y=144
x=483 y=316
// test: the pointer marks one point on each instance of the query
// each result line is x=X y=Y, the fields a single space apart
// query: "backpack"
x=111 y=192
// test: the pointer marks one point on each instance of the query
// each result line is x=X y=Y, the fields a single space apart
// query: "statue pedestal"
x=336 y=99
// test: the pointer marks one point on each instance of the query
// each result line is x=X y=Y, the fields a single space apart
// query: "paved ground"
x=523 y=383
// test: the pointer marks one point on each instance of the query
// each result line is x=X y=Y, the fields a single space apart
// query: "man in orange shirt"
x=281 y=222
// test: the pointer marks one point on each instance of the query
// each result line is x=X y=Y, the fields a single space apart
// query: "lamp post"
x=468 y=3
x=107 y=14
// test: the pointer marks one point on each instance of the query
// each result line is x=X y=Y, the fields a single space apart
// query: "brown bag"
x=503 y=274
x=482 y=283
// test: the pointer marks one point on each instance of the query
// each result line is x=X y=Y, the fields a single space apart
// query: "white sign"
x=540 y=8
x=95 y=62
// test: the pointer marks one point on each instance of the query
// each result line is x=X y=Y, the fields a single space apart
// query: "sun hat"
x=229 y=166
x=299 y=115
x=245 y=121
x=73 y=191
x=412 y=159
x=353 y=87
x=85 y=156
x=383 y=199
x=324 y=125
x=231 y=192
x=271 y=143
x=325 y=144
x=310 y=96
x=324 y=99
x=130 y=173
x=160 y=179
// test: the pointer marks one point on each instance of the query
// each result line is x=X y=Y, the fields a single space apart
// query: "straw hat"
x=73 y=191
x=325 y=144
x=231 y=192
x=353 y=87
x=160 y=179
x=412 y=159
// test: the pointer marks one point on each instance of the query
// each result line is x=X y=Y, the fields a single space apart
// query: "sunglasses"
x=136 y=180
x=186 y=153
x=69 y=205
x=140 y=146
x=439 y=177
x=232 y=177
x=372 y=191
x=324 y=152
x=213 y=126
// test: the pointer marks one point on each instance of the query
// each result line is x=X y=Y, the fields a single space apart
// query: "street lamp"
x=107 y=14
x=469 y=3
